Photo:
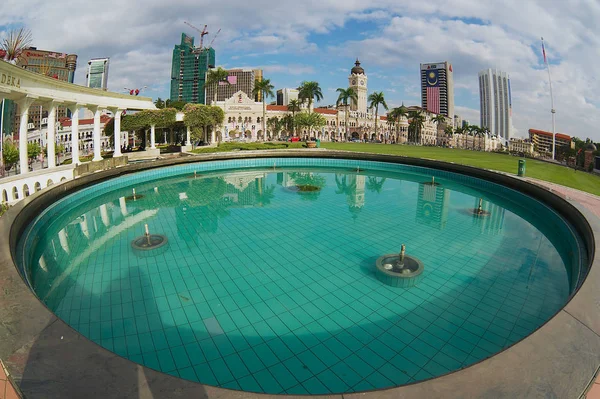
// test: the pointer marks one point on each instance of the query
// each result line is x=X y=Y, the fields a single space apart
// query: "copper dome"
x=357 y=69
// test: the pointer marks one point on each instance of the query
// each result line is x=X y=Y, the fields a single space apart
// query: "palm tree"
x=449 y=132
x=397 y=114
x=214 y=77
x=266 y=88
x=375 y=100
x=473 y=131
x=375 y=184
x=417 y=122
x=14 y=43
x=293 y=107
x=345 y=95
x=438 y=119
x=310 y=91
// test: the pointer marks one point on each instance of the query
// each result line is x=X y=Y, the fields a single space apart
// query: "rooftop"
x=549 y=134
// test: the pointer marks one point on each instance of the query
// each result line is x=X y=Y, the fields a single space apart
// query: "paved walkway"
x=7 y=391
x=592 y=203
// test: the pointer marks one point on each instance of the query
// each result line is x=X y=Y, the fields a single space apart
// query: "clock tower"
x=358 y=81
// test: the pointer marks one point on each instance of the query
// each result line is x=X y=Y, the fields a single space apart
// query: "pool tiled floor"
x=271 y=293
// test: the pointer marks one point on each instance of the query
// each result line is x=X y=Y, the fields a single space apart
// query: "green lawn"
x=225 y=147
x=501 y=162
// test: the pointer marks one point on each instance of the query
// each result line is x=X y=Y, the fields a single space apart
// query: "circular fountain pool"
x=267 y=288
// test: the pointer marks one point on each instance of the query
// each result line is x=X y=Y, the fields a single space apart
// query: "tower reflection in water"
x=432 y=205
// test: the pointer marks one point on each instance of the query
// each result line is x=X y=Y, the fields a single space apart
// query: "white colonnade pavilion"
x=29 y=89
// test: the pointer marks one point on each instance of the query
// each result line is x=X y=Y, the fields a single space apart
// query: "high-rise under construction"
x=188 y=71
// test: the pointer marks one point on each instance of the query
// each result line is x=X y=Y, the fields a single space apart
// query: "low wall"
x=90 y=167
x=15 y=188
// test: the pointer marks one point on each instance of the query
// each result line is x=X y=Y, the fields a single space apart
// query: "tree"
x=275 y=125
x=14 y=43
x=214 y=77
x=178 y=105
x=159 y=103
x=417 y=122
x=310 y=91
x=375 y=100
x=310 y=121
x=397 y=114
x=264 y=87
x=287 y=123
x=33 y=151
x=198 y=117
x=439 y=119
x=293 y=107
x=375 y=184
x=344 y=97
x=10 y=153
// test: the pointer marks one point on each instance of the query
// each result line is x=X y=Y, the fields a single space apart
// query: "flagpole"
x=553 y=111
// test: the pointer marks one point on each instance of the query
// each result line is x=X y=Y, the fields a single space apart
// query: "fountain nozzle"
x=480 y=206
x=401 y=256
x=133 y=194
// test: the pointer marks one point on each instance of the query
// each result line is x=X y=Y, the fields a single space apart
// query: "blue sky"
x=319 y=40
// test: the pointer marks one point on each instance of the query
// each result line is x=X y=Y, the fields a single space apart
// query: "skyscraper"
x=188 y=71
x=237 y=79
x=495 y=102
x=59 y=66
x=97 y=73
x=437 y=88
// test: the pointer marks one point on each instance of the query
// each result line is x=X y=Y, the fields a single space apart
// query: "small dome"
x=357 y=70
x=589 y=147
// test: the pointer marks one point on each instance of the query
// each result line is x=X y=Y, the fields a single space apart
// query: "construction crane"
x=202 y=32
x=213 y=40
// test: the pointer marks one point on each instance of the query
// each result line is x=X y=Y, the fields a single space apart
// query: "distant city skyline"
x=293 y=42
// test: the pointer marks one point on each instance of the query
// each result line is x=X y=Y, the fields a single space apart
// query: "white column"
x=117 y=152
x=104 y=215
x=51 y=134
x=74 y=133
x=126 y=139
x=24 y=105
x=123 y=206
x=97 y=133
x=152 y=137
x=64 y=243
x=213 y=136
x=188 y=142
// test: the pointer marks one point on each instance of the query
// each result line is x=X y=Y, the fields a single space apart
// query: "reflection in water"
x=432 y=206
x=353 y=186
x=220 y=288
x=492 y=224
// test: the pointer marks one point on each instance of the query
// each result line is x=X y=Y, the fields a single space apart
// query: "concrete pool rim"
x=561 y=357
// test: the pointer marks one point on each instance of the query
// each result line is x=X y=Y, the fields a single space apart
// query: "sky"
x=319 y=40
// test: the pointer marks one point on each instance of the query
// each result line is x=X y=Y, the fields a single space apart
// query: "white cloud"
x=285 y=37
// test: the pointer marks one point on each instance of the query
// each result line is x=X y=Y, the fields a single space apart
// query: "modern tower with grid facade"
x=495 y=102
x=188 y=71
x=237 y=79
x=437 y=88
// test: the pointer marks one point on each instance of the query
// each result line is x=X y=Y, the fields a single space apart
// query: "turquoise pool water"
x=264 y=287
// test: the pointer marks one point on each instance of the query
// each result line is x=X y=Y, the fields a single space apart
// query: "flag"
x=433 y=99
x=544 y=53
x=450 y=67
x=433 y=91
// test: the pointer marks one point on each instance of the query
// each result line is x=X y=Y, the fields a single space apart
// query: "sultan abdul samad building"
x=243 y=118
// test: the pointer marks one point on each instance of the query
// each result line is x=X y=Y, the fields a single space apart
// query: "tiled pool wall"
x=558 y=230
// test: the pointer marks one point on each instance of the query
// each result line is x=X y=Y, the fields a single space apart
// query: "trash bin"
x=318 y=143
x=521 y=167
